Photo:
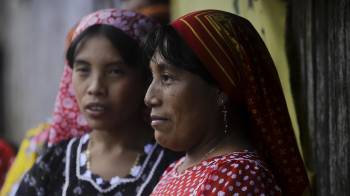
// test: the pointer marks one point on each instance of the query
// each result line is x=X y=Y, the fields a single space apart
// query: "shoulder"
x=56 y=151
x=53 y=157
x=47 y=170
x=240 y=173
x=241 y=163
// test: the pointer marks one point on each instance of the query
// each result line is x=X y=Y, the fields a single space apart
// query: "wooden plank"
x=321 y=79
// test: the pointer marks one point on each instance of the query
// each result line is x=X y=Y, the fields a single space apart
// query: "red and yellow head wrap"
x=237 y=58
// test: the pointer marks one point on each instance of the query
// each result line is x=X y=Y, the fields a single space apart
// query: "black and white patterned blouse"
x=62 y=170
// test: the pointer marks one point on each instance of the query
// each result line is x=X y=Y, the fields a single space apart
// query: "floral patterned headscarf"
x=67 y=121
x=233 y=52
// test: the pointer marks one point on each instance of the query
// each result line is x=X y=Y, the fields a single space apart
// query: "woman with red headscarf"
x=216 y=95
x=101 y=93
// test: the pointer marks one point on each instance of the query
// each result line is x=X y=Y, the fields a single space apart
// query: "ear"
x=222 y=98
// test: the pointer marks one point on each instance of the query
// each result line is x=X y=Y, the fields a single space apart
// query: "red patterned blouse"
x=238 y=173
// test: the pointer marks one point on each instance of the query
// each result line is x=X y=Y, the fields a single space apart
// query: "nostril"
x=97 y=88
x=147 y=101
x=97 y=91
x=152 y=101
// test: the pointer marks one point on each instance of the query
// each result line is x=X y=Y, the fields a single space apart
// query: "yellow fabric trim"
x=216 y=27
x=212 y=36
x=25 y=159
x=210 y=53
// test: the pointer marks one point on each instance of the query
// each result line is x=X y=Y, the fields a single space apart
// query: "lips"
x=157 y=120
x=95 y=109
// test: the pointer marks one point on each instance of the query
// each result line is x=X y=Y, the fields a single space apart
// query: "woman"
x=216 y=95
x=109 y=81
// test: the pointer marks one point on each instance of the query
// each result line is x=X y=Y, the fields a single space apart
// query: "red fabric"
x=235 y=55
x=239 y=173
x=6 y=157
x=67 y=121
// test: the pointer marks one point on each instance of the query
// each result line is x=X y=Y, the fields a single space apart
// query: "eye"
x=115 y=71
x=166 y=78
x=82 y=70
x=81 y=67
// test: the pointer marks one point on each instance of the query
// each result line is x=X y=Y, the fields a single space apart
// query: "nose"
x=152 y=97
x=97 y=86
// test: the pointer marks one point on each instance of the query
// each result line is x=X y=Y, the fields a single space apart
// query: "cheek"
x=78 y=88
x=192 y=111
x=182 y=133
x=127 y=93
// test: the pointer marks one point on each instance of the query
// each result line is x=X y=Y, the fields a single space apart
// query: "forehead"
x=96 y=46
x=159 y=63
x=157 y=58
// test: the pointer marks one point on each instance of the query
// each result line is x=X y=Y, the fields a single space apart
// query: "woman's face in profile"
x=109 y=91
x=181 y=105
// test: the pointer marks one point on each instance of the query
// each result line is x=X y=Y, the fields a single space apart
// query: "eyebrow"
x=163 y=66
x=80 y=62
x=112 y=63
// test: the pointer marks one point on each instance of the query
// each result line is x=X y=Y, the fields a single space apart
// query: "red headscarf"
x=237 y=58
x=67 y=120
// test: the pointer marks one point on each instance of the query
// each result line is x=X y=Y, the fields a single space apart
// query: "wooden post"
x=318 y=42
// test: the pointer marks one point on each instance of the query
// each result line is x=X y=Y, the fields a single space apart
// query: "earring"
x=221 y=102
x=224 y=111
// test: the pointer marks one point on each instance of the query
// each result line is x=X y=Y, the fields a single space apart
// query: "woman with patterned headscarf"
x=216 y=95
x=102 y=92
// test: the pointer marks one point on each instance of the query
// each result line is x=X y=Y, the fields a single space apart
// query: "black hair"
x=175 y=51
x=128 y=48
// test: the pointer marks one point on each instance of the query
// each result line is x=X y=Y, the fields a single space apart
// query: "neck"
x=126 y=138
x=121 y=145
x=204 y=150
x=209 y=142
x=215 y=145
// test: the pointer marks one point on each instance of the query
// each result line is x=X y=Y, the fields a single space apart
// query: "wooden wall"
x=319 y=52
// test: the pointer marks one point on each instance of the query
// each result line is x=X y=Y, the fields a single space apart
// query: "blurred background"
x=309 y=41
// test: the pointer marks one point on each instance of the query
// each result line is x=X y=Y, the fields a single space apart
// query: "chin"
x=97 y=125
x=167 y=142
x=161 y=139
